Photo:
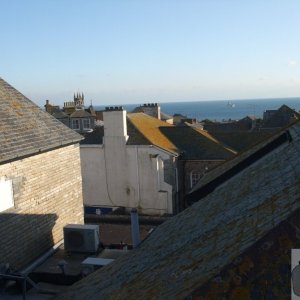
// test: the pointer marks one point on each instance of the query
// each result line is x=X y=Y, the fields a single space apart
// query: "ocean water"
x=221 y=109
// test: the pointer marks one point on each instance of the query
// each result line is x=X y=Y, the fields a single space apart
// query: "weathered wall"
x=185 y=252
x=126 y=176
x=48 y=195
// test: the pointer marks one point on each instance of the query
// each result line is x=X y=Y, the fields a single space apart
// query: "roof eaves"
x=26 y=154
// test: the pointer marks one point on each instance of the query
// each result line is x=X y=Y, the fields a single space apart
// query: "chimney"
x=135 y=228
x=115 y=124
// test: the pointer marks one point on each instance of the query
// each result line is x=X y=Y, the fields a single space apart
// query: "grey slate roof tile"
x=25 y=129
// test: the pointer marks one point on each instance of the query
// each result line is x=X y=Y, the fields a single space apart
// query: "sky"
x=140 y=51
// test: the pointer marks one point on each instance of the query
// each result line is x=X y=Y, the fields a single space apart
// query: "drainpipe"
x=41 y=259
x=135 y=229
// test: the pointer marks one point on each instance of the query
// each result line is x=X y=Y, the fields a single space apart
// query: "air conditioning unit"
x=81 y=238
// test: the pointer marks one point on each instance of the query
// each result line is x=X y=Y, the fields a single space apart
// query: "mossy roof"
x=149 y=128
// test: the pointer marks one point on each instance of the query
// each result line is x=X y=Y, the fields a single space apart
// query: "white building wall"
x=128 y=176
x=117 y=175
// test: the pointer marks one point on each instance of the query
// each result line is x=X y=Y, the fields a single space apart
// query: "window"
x=86 y=124
x=194 y=177
x=75 y=124
x=6 y=192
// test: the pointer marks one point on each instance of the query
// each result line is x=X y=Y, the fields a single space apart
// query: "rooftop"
x=187 y=251
x=26 y=129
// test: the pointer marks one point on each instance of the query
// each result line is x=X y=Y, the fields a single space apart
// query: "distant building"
x=40 y=179
x=276 y=119
x=150 y=109
x=136 y=160
x=73 y=114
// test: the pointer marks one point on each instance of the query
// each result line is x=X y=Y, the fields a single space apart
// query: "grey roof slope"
x=25 y=129
x=192 y=247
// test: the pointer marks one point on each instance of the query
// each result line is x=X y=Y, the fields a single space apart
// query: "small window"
x=194 y=178
x=6 y=192
x=86 y=124
x=75 y=124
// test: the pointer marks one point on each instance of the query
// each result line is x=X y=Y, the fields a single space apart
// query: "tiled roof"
x=165 y=116
x=240 y=140
x=149 y=127
x=185 y=252
x=60 y=115
x=26 y=129
x=263 y=271
x=80 y=114
x=232 y=163
x=197 y=144
x=281 y=117
x=95 y=137
x=189 y=141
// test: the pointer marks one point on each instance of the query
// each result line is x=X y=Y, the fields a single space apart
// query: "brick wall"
x=48 y=195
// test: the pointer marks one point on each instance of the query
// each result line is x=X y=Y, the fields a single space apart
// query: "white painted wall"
x=118 y=175
x=134 y=178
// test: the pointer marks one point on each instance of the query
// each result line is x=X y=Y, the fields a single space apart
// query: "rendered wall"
x=48 y=195
x=116 y=175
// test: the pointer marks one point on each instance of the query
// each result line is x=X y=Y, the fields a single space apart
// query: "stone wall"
x=48 y=195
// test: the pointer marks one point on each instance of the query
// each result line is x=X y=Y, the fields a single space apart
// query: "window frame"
x=75 y=121
x=89 y=122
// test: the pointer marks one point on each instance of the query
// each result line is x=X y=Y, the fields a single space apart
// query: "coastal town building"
x=123 y=170
x=40 y=179
x=153 y=110
x=73 y=114
x=136 y=160
x=234 y=242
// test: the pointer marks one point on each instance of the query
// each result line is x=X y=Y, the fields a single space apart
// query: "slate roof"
x=197 y=144
x=95 y=137
x=263 y=271
x=240 y=141
x=189 y=141
x=187 y=251
x=80 y=114
x=281 y=117
x=60 y=115
x=164 y=116
x=149 y=127
x=26 y=129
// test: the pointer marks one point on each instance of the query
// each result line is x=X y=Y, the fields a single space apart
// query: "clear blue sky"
x=150 y=51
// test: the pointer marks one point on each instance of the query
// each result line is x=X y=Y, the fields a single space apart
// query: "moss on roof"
x=149 y=127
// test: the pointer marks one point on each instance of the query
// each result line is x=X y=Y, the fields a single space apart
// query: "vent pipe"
x=135 y=228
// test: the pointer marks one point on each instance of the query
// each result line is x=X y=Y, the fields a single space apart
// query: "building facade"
x=40 y=179
x=73 y=114
x=116 y=174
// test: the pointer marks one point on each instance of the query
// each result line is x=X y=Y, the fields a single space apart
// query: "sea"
x=220 y=110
